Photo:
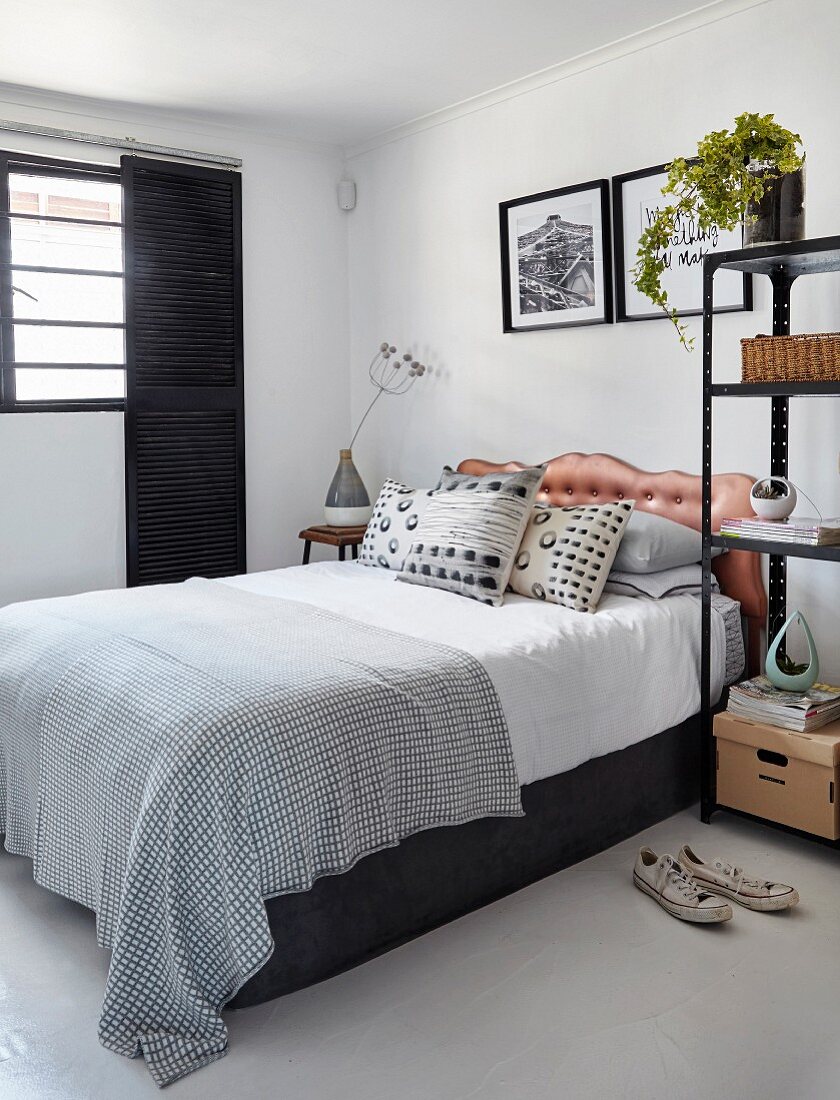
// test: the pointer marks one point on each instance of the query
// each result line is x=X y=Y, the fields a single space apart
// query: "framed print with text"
x=636 y=198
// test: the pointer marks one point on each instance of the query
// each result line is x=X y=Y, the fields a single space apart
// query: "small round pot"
x=777 y=508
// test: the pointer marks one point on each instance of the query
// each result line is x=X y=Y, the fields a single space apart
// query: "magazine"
x=760 y=701
x=801 y=529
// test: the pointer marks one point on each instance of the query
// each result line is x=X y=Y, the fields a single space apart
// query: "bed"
x=140 y=767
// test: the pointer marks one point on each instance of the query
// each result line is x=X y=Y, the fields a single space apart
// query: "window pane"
x=65 y=198
x=52 y=244
x=50 y=297
x=69 y=385
x=64 y=344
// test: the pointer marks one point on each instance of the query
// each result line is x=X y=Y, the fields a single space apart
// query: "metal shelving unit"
x=782 y=264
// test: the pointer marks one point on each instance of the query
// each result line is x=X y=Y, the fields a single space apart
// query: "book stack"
x=803 y=530
x=758 y=700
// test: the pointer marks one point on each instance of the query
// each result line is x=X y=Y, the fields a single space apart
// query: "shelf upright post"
x=708 y=784
x=777 y=568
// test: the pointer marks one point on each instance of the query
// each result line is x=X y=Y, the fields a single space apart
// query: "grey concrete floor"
x=577 y=987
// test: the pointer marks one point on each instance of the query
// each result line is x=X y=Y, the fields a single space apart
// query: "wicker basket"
x=814 y=357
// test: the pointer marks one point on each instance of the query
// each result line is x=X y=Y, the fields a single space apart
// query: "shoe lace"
x=737 y=873
x=680 y=878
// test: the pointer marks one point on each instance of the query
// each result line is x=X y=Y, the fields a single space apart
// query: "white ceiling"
x=327 y=70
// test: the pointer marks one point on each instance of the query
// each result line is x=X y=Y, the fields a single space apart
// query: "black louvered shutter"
x=184 y=423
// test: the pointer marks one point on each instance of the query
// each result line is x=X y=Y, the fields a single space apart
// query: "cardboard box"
x=784 y=776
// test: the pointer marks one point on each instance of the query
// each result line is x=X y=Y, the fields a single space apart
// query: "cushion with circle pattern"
x=566 y=553
x=390 y=530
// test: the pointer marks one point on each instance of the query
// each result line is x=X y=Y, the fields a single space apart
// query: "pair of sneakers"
x=692 y=890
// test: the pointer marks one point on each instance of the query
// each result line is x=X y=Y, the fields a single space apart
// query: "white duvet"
x=573 y=686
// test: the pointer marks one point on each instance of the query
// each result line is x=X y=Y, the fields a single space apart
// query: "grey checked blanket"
x=170 y=757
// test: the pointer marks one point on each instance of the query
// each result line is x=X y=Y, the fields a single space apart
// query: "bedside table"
x=341 y=537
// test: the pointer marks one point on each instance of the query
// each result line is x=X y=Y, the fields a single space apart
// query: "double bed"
x=204 y=765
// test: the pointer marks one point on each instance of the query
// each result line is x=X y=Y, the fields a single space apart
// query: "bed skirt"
x=434 y=877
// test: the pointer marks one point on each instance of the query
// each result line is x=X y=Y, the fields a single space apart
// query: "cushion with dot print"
x=390 y=530
x=470 y=532
x=566 y=553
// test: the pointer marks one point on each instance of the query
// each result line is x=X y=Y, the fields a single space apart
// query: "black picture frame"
x=623 y=261
x=510 y=310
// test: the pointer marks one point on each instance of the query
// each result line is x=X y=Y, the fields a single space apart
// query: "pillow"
x=668 y=582
x=470 y=532
x=390 y=530
x=566 y=553
x=653 y=543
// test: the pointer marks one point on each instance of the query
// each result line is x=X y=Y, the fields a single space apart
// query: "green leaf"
x=714 y=188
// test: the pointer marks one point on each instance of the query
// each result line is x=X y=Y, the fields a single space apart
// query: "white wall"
x=61 y=490
x=424 y=269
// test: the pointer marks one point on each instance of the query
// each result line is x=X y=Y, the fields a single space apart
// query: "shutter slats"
x=184 y=417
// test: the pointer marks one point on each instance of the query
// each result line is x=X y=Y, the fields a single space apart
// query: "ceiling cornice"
x=143 y=123
x=602 y=55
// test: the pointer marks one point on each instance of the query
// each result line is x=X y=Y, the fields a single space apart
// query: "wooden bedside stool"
x=341 y=537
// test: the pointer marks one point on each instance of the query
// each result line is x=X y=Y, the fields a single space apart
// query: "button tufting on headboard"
x=665 y=493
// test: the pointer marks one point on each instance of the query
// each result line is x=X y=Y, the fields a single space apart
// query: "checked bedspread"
x=172 y=756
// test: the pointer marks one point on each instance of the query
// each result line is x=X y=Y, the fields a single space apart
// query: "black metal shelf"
x=818 y=255
x=776 y=389
x=782 y=264
x=782 y=549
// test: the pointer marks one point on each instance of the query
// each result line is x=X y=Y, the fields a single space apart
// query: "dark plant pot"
x=780 y=213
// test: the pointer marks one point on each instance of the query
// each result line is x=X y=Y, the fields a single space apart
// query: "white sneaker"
x=733 y=882
x=663 y=879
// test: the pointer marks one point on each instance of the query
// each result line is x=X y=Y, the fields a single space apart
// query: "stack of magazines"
x=801 y=529
x=759 y=701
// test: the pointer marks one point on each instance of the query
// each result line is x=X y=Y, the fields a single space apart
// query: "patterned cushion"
x=470 y=532
x=566 y=553
x=390 y=530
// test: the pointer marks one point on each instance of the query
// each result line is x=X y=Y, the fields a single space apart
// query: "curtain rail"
x=119 y=143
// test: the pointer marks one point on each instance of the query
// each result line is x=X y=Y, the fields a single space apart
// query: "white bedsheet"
x=573 y=686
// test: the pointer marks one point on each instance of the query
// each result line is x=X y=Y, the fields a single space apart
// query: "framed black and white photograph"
x=636 y=198
x=556 y=258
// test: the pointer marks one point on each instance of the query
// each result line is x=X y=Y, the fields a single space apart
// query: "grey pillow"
x=667 y=582
x=470 y=531
x=652 y=543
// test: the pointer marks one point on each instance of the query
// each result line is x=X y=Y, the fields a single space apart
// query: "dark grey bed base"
x=433 y=877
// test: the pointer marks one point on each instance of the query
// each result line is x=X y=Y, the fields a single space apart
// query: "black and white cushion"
x=566 y=553
x=470 y=532
x=393 y=522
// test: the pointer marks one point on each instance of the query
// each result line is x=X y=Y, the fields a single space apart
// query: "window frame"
x=11 y=163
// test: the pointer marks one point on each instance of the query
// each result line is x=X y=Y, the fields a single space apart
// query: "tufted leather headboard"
x=577 y=478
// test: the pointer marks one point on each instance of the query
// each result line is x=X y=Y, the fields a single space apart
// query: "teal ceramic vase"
x=804 y=680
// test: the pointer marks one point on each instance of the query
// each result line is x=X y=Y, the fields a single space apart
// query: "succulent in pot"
x=752 y=175
x=773 y=498
x=785 y=673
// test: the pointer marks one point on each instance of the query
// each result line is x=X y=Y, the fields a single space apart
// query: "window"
x=62 y=323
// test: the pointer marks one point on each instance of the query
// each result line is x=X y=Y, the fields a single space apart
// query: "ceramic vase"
x=347 y=503
x=804 y=680
x=773 y=508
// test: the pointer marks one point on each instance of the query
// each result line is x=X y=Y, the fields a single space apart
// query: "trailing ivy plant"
x=714 y=189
